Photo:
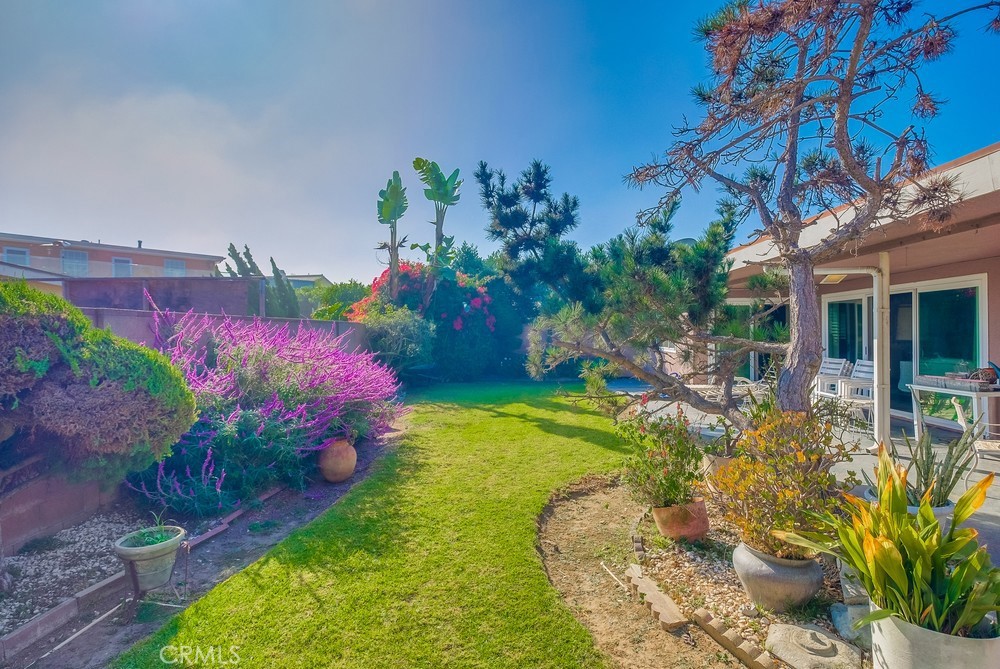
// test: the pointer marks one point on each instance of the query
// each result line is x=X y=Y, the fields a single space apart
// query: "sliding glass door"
x=934 y=328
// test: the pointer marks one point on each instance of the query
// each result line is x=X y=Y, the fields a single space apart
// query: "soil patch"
x=587 y=524
x=247 y=539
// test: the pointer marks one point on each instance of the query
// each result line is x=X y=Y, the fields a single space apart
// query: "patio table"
x=979 y=401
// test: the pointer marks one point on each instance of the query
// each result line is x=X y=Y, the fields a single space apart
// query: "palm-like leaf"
x=392 y=201
x=440 y=189
x=908 y=565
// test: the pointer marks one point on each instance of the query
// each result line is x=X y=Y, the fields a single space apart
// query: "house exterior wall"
x=46 y=254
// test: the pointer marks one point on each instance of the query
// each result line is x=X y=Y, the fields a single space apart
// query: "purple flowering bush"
x=268 y=398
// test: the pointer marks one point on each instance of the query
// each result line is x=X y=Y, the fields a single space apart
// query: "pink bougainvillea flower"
x=457 y=323
x=476 y=302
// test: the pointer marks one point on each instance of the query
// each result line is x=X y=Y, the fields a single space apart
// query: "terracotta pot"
x=337 y=460
x=682 y=521
x=775 y=583
x=155 y=563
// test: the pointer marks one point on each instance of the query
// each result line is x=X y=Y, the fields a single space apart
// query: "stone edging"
x=738 y=647
x=47 y=622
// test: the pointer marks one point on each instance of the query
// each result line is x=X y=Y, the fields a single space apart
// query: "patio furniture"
x=980 y=445
x=831 y=372
x=979 y=395
x=860 y=384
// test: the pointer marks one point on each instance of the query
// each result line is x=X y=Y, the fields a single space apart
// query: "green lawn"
x=431 y=561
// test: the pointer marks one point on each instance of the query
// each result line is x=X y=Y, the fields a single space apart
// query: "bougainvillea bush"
x=96 y=405
x=469 y=340
x=268 y=398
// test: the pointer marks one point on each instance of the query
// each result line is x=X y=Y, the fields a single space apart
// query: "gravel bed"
x=701 y=575
x=64 y=564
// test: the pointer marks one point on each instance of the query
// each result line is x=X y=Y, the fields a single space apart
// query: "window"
x=16 y=256
x=121 y=267
x=174 y=268
x=74 y=263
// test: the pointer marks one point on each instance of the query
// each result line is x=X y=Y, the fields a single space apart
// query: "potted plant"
x=663 y=472
x=719 y=451
x=152 y=551
x=782 y=478
x=934 y=473
x=931 y=590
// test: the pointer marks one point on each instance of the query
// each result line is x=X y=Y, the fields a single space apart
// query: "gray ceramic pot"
x=775 y=583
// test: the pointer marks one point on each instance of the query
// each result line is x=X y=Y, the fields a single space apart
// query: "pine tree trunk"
x=805 y=352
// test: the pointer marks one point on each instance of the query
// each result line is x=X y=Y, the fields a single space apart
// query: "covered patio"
x=916 y=302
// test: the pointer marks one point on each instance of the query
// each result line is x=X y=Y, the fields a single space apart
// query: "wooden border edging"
x=49 y=621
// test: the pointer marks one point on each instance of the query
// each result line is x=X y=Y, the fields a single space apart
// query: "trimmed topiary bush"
x=98 y=405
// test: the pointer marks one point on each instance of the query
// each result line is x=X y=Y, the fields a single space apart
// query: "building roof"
x=85 y=244
x=977 y=174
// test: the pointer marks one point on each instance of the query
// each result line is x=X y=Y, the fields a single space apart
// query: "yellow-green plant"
x=911 y=569
x=781 y=479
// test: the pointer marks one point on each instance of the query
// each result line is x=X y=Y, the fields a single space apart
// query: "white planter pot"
x=897 y=644
x=942 y=513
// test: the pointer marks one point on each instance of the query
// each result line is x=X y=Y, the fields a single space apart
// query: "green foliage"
x=440 y=189
x=280 y=300
x=911 y=569
x=330 y=302
x=781 y=479
x=284 y=303
x=391 y=206
x=647 y=289
x=531 y=223
x=665 y=464
x=936 y=474
x=392 y=201
x=97 y=404
x=402 y=339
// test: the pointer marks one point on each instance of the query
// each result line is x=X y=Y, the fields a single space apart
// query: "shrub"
x=400 y=337
x=782 y=479
x=97 y=404
x=268 y=398
x=666 y=464
x=470 y=338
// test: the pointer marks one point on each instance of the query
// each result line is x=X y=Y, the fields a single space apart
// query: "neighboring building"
x=81 y=258
x=307 y=280
x=943 y=310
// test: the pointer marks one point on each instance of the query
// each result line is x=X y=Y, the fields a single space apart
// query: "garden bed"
x=589 y=524
x=246 y=539
x=48 y=570
x=701 y=575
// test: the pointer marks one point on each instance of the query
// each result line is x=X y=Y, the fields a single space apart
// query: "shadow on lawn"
x=556 y=427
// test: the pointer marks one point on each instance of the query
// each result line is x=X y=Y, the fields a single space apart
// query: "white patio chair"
x=859 y=385
x=983 y=443
x=831 y=372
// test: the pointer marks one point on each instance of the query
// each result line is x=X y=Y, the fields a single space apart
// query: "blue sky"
x=190 y=124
